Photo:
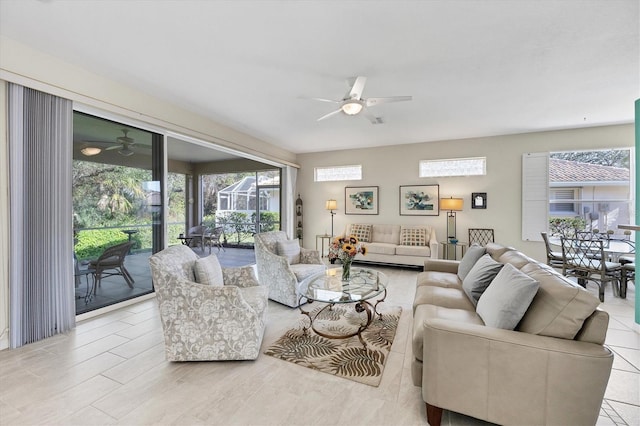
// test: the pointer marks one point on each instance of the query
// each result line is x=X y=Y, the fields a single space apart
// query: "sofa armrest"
x=243 y=276
x=434 y=245
x=441 y=265
x=510 y=377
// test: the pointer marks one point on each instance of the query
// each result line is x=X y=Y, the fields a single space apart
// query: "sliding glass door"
x=117 y=198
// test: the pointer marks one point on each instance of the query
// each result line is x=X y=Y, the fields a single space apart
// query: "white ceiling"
x=474 y=68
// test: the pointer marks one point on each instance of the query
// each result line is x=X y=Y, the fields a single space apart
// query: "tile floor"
x=111 y=370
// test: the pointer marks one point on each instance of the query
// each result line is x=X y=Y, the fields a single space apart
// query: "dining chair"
x=554 y=258
x=628 y=274
x=583 y=259
x=481 y=236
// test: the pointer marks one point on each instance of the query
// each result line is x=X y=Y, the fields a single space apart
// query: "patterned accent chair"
x=275 y=271
x=204 y=322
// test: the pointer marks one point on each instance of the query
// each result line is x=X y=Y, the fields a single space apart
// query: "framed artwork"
x=361 y=200
x=420 y=200
x=478 y=200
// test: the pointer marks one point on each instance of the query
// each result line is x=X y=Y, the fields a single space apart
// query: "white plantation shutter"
x=535 y=195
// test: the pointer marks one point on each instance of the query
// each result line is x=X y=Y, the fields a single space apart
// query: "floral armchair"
x=202 y=322
x=278 y=272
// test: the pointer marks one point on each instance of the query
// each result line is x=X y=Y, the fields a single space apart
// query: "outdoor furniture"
x=197 y=236
x=481 y=236
x=554 y=258
x=207 y=312
x=280 y=269
x=586 y=260
x=213 y=239
x=110 y=263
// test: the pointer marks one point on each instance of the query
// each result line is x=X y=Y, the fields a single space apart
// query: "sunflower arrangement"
x=345 y=248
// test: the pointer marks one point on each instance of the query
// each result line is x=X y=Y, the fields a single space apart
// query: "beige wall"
x=390 y=167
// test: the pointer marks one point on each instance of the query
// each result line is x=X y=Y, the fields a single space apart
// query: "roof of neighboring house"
x=246 y=184
x=573 y=171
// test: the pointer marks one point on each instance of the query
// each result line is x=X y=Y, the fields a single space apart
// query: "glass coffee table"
x=361 y=290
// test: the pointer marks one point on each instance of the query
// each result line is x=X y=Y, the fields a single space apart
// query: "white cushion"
x=289 y=249
x=413 y=251
x=507 y=299
x=381 y=248
x=480 y=276
x=389 y=234
x=208 y=271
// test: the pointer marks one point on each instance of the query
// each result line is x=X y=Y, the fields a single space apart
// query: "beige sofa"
x=395 y=244
x=551 y=369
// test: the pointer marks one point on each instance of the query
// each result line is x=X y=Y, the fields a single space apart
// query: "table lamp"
x=453 y=205
x=331 y=205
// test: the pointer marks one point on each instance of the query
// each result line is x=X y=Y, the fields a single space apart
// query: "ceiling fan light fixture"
x=352 y=107
x=90 y=151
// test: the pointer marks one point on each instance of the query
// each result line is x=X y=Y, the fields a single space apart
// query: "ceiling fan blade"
x=377 y=101
x=329 y=115
x=372 y=118
x=324 y=100
x=111 y=148
x=357 y=88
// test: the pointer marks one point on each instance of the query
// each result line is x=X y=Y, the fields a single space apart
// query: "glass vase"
x=346 y=269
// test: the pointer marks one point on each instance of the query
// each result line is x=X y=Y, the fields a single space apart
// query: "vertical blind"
x=41 y=283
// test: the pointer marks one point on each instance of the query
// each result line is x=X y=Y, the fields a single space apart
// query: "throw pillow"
x=469 y=259
x=289 y=249
x=507 y=299
x=208 y=271
x=361 y=231
x=480 y=276
x=413 y=237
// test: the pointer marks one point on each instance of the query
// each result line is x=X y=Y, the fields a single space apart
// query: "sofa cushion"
x=208 y=271
x=389 y=234
x=560 y=307
x=413 y=236
x=304 y=270
x=438 y=279
x=496 y=250
x=289 y=249
x=425 y=312
x=381 y=248
x=505 y=301
x=450 y=297
x=469 y=259
x=480 y=276
x=361 y=231
x=413 y=251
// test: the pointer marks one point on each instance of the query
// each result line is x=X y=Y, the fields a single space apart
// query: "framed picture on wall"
x=419 y=200
x=361 y=200
x=478 y=200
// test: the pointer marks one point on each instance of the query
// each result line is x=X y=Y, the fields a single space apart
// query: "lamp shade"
x=331 y=205
x=451 y=204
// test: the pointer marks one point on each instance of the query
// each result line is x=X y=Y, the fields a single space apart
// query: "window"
x=326 y=174
x=561 y=201
x=454 y=167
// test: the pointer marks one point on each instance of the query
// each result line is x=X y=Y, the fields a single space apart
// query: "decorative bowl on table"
x=453 y=240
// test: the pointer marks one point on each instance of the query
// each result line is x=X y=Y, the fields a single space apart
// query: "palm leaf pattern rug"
x=345 y=358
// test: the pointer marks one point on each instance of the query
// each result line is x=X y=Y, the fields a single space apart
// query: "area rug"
x=346 y=358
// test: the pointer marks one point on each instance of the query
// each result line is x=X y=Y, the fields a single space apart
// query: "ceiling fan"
x=353 y=103
x=124 y=142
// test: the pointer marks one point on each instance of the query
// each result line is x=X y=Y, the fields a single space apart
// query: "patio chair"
x=213 y=239
x=197 y=235
x=282 y=272
x=583 y=259
x=111 y=263
x=554 y=258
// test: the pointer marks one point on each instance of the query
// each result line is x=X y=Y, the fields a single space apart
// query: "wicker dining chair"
x=481 y=236
x=110 y=263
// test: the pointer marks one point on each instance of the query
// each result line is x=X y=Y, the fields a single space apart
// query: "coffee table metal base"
x=361 y=306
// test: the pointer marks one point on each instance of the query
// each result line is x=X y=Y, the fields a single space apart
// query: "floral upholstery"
x=275 y=272
x=202 y=322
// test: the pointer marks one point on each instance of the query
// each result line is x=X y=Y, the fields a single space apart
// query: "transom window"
x=333 y=173
x=476 y=166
